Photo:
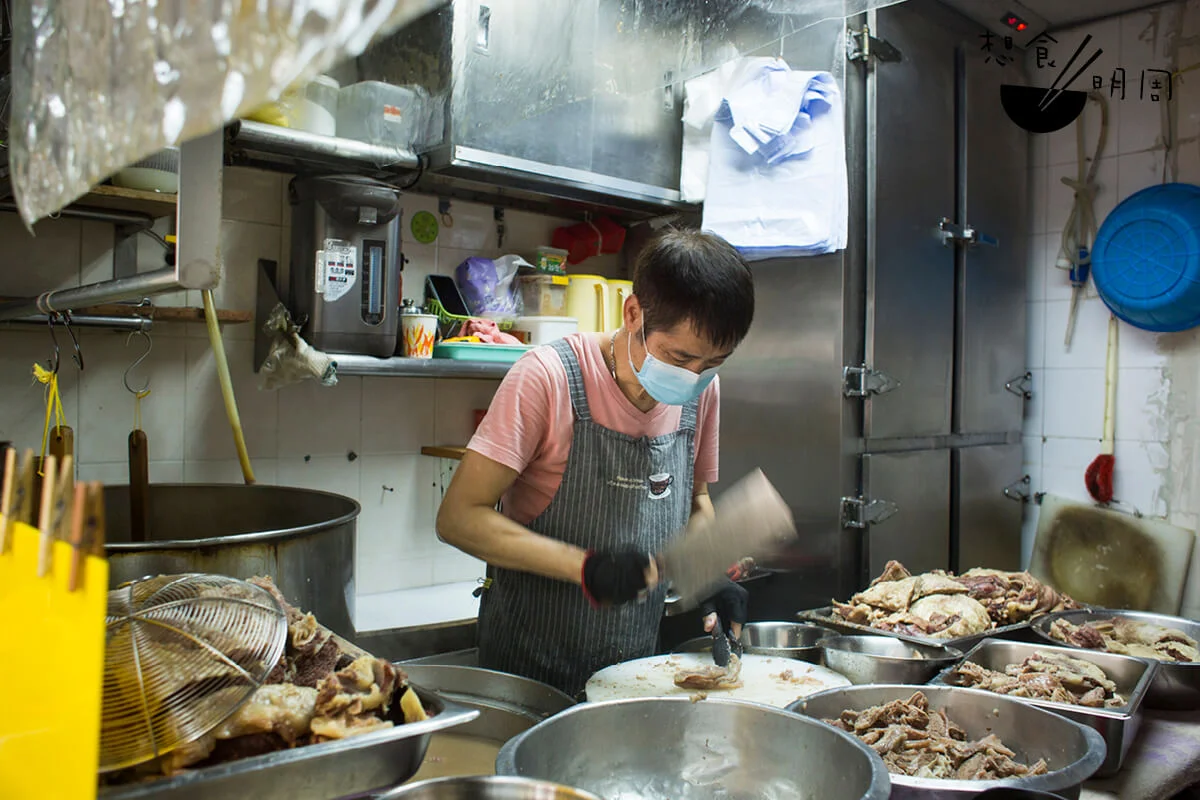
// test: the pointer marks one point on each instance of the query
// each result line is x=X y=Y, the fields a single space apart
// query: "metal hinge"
x=1018 y=490
x=952 y=234
x=860 y=513
x=864 y=381
x=1021 y=386
x=862 y=46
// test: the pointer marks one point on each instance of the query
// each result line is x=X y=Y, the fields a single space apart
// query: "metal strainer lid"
x=183 y=652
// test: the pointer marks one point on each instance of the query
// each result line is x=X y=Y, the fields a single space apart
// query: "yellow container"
x=618 y=293
x=587 y=301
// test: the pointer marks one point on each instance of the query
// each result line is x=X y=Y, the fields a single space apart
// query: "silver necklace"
x=612 y=355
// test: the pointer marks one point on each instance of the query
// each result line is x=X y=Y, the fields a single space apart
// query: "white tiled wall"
x=361 y=438
x=1154 y=416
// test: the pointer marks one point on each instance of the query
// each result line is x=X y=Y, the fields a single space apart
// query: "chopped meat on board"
x=710 y=678
x=1128 y=637
x=920 y=743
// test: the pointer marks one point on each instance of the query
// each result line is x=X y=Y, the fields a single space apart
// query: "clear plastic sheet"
x=98 y=85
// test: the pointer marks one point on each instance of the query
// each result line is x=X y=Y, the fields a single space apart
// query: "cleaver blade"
x=751 y=520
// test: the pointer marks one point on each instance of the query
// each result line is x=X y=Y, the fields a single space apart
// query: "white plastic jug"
x=587 y=301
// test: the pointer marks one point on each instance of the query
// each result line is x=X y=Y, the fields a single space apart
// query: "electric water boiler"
x=345 y=263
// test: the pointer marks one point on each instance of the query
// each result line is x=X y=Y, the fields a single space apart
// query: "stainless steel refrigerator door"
x=992 y=291
x=910 y=285
x=988 y=523
x=918 y=534
x=781 y=411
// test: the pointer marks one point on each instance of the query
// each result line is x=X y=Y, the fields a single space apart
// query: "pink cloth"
x=488 y=331
x=528 y=426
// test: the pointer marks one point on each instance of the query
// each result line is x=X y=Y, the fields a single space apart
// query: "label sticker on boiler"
x=337 y=269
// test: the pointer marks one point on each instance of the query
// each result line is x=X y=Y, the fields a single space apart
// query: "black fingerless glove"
x=614 y=578
x=731 y=603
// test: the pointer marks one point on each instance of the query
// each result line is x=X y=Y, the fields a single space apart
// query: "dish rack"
x=449 y=321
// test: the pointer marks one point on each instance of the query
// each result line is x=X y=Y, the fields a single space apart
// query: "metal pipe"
x=293 y=143
x=93 y=294
x=143 y=324
x=95 y=214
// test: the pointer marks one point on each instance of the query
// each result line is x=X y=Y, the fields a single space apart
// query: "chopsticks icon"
x=1054 y=91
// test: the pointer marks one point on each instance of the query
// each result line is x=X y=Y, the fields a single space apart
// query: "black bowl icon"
x=1023 y=104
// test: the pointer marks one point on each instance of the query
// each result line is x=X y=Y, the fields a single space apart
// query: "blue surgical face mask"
x=667 y=383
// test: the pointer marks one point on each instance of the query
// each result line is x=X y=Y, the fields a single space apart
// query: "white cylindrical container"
x=419 y=332
x=544 y=330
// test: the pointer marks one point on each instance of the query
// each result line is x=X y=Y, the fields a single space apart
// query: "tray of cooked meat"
x=1101 y=690
x=944 y=741
x=329 y=721
x=1171 y=641
x=942 y=608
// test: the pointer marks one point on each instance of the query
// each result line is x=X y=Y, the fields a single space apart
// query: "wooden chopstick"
x=45 y=506
x=6 y=492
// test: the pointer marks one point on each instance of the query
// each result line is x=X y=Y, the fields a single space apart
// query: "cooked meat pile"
x=1129 y=638
x=714 y=677
x=938 y=605
x=1045 y=676
x=920 y=743
x=316 y=693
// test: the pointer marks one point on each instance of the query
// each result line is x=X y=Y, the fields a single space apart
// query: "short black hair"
x=696 y=277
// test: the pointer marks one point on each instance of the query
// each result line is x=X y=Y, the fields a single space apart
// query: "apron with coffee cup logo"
x=618 y=493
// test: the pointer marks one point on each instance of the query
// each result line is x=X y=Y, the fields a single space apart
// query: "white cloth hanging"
x=776 y=183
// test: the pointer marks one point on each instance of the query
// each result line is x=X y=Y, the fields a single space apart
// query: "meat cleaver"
x=751 y=520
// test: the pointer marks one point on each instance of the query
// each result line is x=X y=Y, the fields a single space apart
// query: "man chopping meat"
x=602 y=446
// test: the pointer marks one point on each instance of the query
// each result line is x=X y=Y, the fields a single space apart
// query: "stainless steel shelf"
x=348 y=365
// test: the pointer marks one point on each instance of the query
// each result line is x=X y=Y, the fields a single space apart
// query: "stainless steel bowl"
x=1073 y=752
x=881 y=659
x=781 y=639
x=673 y=748
x=485 y=788
x=1176 y=685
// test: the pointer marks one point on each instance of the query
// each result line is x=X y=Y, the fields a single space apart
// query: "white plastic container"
x=317 y=112
x=381 y=114
x=544 y=330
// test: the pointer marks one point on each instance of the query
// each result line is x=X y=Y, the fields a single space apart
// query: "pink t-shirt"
x=528 y=426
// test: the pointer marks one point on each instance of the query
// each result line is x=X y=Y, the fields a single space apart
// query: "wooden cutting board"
x=1106 y=558
x=768 y=680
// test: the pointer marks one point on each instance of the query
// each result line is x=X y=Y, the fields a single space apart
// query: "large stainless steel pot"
x=1073 y=752
x=302 y=538
x=490 y=787
x=673 y=748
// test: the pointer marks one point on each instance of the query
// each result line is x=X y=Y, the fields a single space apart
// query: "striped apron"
x=617 y=493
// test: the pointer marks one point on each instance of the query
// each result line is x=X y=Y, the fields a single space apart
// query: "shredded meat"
x=1128 y=637
x=348 y=700
x=710 y=678
x=920 y=743
x=1045 y=676
x=939 y=605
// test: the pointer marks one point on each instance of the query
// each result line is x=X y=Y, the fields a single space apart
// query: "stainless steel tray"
x=316 y=772
x=1176 y=686
x=825 y=616
x=1118 y=726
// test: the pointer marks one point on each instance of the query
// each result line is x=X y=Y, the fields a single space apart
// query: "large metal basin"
x=302 y=538
x=491 y=787
x=1072 y=751
x=677 y=749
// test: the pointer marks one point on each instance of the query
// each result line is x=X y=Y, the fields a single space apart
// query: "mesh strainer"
x=182 y=653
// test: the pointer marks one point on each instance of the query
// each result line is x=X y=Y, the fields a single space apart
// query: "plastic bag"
x=488 y=287
x=291 y=359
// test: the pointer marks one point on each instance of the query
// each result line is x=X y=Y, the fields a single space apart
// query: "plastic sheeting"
x=99 y=85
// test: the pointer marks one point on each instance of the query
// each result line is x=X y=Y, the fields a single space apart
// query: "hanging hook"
x=137 y=363
x=77 y=356
x=54 y=360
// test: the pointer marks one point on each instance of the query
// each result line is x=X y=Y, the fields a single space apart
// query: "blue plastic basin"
x=1146 y=262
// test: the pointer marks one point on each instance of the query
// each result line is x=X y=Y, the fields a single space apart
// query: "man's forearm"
x=489 y=535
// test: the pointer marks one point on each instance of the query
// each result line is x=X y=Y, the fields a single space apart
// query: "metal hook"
x=77 y=356
x=137 y=363
x=54 y=360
